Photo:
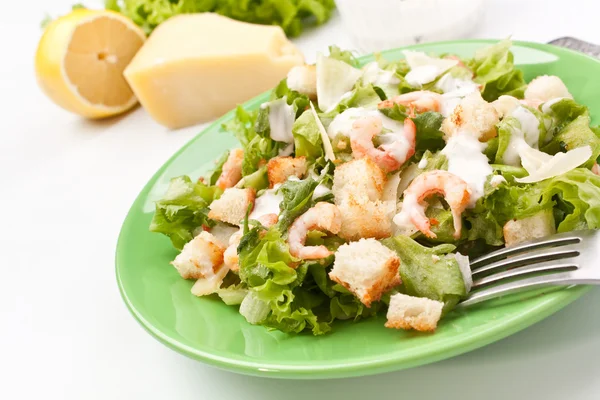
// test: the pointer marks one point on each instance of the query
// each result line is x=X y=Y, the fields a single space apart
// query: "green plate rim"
x=361 y=367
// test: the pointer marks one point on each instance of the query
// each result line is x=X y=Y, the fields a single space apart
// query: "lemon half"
x=80 y=60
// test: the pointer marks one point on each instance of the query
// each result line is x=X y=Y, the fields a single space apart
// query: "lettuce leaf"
x=576 y=197
x=428 y=124
x=258 y=152
x=299 y=101
x=429 y=272
x=494 y=69
x=266 y=267
x=575 y=134
x=289 y=14
x=343 y=55
x=361 y=96
x=242 y=125
x=297 y=199
x=307 y=138
x=216 y=173
x=183 y=209
x=564 y=112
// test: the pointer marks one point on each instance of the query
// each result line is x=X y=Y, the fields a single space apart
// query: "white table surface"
x=67 y=185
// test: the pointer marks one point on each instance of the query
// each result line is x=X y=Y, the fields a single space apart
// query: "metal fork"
x=566 y=259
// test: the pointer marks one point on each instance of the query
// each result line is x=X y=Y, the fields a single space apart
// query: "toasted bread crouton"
x=281 y=168
x=473 y=115
x=534 y=227
x=232 y=169
x=418 y=313
x=303 y=79
x=200 y=257
x=232 y=206
x=362 y=218
x=366 y=268
x=544 y=88
x=361 y=177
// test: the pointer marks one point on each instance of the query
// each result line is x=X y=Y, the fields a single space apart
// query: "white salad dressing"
x=402 y=220
x=528 y=135
x=342 y=123
x=497 y=180
x=467 y=161
x=267 y=203
x=425 y=69
x=286 y=151
x=281 y=119
x=379 y=77
x=320 y=191
x=547 y=106
x=396 y=143
x=454 y=90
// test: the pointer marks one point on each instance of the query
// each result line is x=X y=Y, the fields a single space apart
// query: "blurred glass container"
x=376 y=25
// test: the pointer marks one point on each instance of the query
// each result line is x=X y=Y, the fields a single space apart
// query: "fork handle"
x=558 y=279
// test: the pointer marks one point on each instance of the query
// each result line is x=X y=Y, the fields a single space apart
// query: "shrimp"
x=232 y=169
x=533 y=103
x=596 y=169
x=389 y=156
x=456 y=193
x=231 y=258
x=324 y=216
x=421 y=101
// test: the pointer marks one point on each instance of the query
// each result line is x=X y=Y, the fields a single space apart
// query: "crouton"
x=232 y=169
x=281 y=168
x=545 y=87
x=362 y=218
x=359 y=177
x=418 y=313
x=303 y=79
x=472 y=115
x=232 y=206
x=366 y=268
x=534 y=227
x=200 y=257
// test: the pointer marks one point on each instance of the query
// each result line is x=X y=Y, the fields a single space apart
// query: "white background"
x=66 y=185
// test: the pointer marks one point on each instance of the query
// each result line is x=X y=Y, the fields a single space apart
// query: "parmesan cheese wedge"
x=195 y=67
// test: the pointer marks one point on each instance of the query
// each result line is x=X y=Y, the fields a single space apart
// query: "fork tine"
x=561 y=278
x=539 y=255
x=560 y=239
x=526 y=269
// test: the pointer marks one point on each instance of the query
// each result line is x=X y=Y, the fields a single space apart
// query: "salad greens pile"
x=289 y=14
x=531 y=172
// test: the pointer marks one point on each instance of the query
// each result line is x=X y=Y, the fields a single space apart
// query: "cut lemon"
x=80 y=60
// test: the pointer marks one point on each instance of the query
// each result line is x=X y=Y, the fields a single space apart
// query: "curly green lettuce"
x=431 y=272
x=494 y=69
x=183 y=209
x=291 y=15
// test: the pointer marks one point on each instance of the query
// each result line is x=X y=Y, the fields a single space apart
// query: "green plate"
x=209 y=331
